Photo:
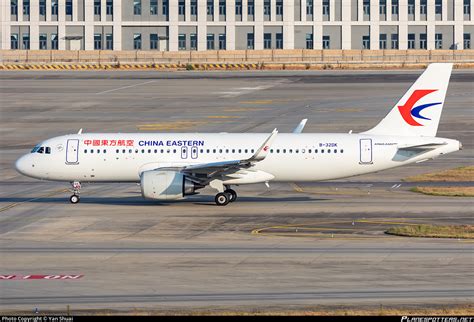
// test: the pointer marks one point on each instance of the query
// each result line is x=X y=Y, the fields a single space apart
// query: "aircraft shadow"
x=139 y=201
x=260 y=199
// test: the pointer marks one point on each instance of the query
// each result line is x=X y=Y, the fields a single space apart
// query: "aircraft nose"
x=24 y=165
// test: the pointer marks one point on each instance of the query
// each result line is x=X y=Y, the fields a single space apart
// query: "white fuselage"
x=108 y=157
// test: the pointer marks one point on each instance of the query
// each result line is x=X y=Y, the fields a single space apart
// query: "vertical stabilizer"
x=418 y=112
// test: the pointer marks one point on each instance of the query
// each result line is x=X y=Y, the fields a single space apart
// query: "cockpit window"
x=41 y=149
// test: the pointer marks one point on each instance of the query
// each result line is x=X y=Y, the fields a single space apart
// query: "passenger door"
x=72 y=151
x=365 y=151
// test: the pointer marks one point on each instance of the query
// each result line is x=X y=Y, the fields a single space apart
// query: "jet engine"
x=166 y=185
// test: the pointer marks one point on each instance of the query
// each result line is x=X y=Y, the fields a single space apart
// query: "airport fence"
x=230 y=59
x=235 y=56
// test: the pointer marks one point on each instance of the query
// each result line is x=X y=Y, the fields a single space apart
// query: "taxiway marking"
x=124 y=87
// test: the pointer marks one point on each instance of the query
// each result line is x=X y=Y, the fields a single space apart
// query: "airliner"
x=171 y=166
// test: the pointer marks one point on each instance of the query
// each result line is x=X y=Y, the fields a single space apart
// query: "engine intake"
x=166 y=185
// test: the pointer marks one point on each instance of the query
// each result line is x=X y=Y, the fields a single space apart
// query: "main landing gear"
x=76 y=187
x=223 y=198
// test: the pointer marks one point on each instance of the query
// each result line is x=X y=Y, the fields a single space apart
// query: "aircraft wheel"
x=222 y=198
x=74 y=199
x=233 y=194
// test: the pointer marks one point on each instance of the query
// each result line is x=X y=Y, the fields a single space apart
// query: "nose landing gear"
x=76 y=187
x=74 y=199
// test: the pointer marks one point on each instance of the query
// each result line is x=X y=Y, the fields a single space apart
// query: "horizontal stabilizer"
x=421 y=147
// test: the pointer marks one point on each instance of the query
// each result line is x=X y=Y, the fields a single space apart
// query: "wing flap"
x=213 y=166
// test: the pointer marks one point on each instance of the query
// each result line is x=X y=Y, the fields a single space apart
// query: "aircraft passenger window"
x=342 y=151
x=85 y=151
x=329 y=150
x=296 y=151
x=240 y=150
x=290 y=151
x=105 y=151
x=92 y=150
x=98 y=151
x=143 y=150
x=335 y=151
x=149 y=150
x=156 y=151
x=278 y=150
x=322 y=150
x=136 y=150
x=123 y=151
x=117 y=151
x=220 y=150
x=303 y=150
x=271 y=150
x=309 y=151
x=174 y=150
x=246 y=151
x=233 y=150
x=201 y=151
x=316 y=151
x=214 y=151
x=207 y=151
x=284 y=150
x=252 y=151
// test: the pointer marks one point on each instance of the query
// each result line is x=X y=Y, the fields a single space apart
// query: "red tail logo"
x=406 y=110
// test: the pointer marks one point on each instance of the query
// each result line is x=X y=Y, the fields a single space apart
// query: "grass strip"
x=446 y=191
x=434 y=231
x=463 y=174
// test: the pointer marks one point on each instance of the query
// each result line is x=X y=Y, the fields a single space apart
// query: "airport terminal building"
x=173 y=25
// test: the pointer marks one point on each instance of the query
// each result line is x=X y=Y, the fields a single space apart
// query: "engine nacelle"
x=166 y=185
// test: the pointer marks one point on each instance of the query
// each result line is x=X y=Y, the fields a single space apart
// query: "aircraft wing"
x=204 y=172
x=300 y=126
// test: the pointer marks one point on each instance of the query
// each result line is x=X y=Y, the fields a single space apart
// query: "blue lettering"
x=182 y=143
x=150 y=143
